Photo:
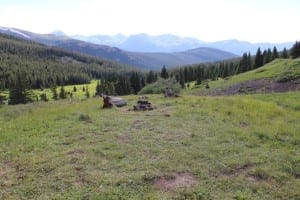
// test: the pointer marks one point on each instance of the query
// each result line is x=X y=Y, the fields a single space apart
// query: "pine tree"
x=43 y=97
x=87 y=93
x=275 y=53
x=62 y=93
x=150 y=78
x=54 y=93
x=243 y=66
x=164 y=74
x=74 y=89
x=2 y=99
x=295 y=50
x=259 y=59
x=267 y=56
x=181 y=79
x=284 y=54
x=123 y=86
x=249 y=62
x=19 y=90
x=98 y=89
x=135 y=82
x=143 y=82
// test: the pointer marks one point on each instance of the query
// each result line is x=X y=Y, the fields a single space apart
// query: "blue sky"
x=210 y=20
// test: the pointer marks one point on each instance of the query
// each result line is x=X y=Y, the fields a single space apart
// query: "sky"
x=207 y=20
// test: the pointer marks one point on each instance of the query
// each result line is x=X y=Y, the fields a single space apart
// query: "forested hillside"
x=45 y=66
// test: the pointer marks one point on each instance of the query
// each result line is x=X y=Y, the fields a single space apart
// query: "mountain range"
x=144 y=60
x=142 y=50
x=172 y=43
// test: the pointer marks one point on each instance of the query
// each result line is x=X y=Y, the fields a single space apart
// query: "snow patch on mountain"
x=15 y=31
x=20 y=33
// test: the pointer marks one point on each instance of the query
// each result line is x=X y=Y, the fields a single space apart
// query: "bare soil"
x=256 y=86
x=75 y=152
x=174 y=181
x=244 y=170
x=123 y=139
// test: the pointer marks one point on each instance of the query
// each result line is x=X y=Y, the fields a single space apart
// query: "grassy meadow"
x=280 y=70
x=191 y=147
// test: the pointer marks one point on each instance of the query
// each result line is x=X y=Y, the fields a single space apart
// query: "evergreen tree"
x=295 y=50
x=19 y=90
x=54 y=93
x=259 y=59
x=275 y=53
x=143 y=82
x=164 y=74
x=87 y=93
x=123 y=86
x=98 y=89
x=284 y=54
x=243 y=66
x=249 y=62
x=62 y=93
x=207 y=86
x=3 y=75
x=181 y=79
x=110 y=88
x=74 y=89
x=43 y=97
x=2 y=99
x=135 y=82
x=150 y=78
x=267 y=56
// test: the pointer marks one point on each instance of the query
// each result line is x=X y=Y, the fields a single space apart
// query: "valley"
x=230 y=131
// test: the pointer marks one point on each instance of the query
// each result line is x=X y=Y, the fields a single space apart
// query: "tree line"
x=205 y=71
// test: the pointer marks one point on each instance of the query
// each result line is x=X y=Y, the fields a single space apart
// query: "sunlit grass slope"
x=280 y=70
x=241 y=147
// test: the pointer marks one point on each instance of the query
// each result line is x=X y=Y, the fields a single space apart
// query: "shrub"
x=160 y=85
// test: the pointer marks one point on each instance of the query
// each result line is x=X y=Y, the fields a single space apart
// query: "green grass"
x=241 y=147
x=278 y=70
x=79 y=94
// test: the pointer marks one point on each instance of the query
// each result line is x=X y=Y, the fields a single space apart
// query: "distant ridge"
x=142 y=60
x=172 y=43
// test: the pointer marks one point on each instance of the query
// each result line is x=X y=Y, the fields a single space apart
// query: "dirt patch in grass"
x=256 y=86
x=75 y=152
x=82 y=138
x=255 y=179
x=123 y=139
x=4 y=168
x=244 y=170
x=236 y=170
x=3 y=172
x=174 y=181
x=137 y=124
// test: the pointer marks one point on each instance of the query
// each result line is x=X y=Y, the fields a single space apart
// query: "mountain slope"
x=45 y=66
x=138 y=59
x=148 y=60
x=281 y=75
